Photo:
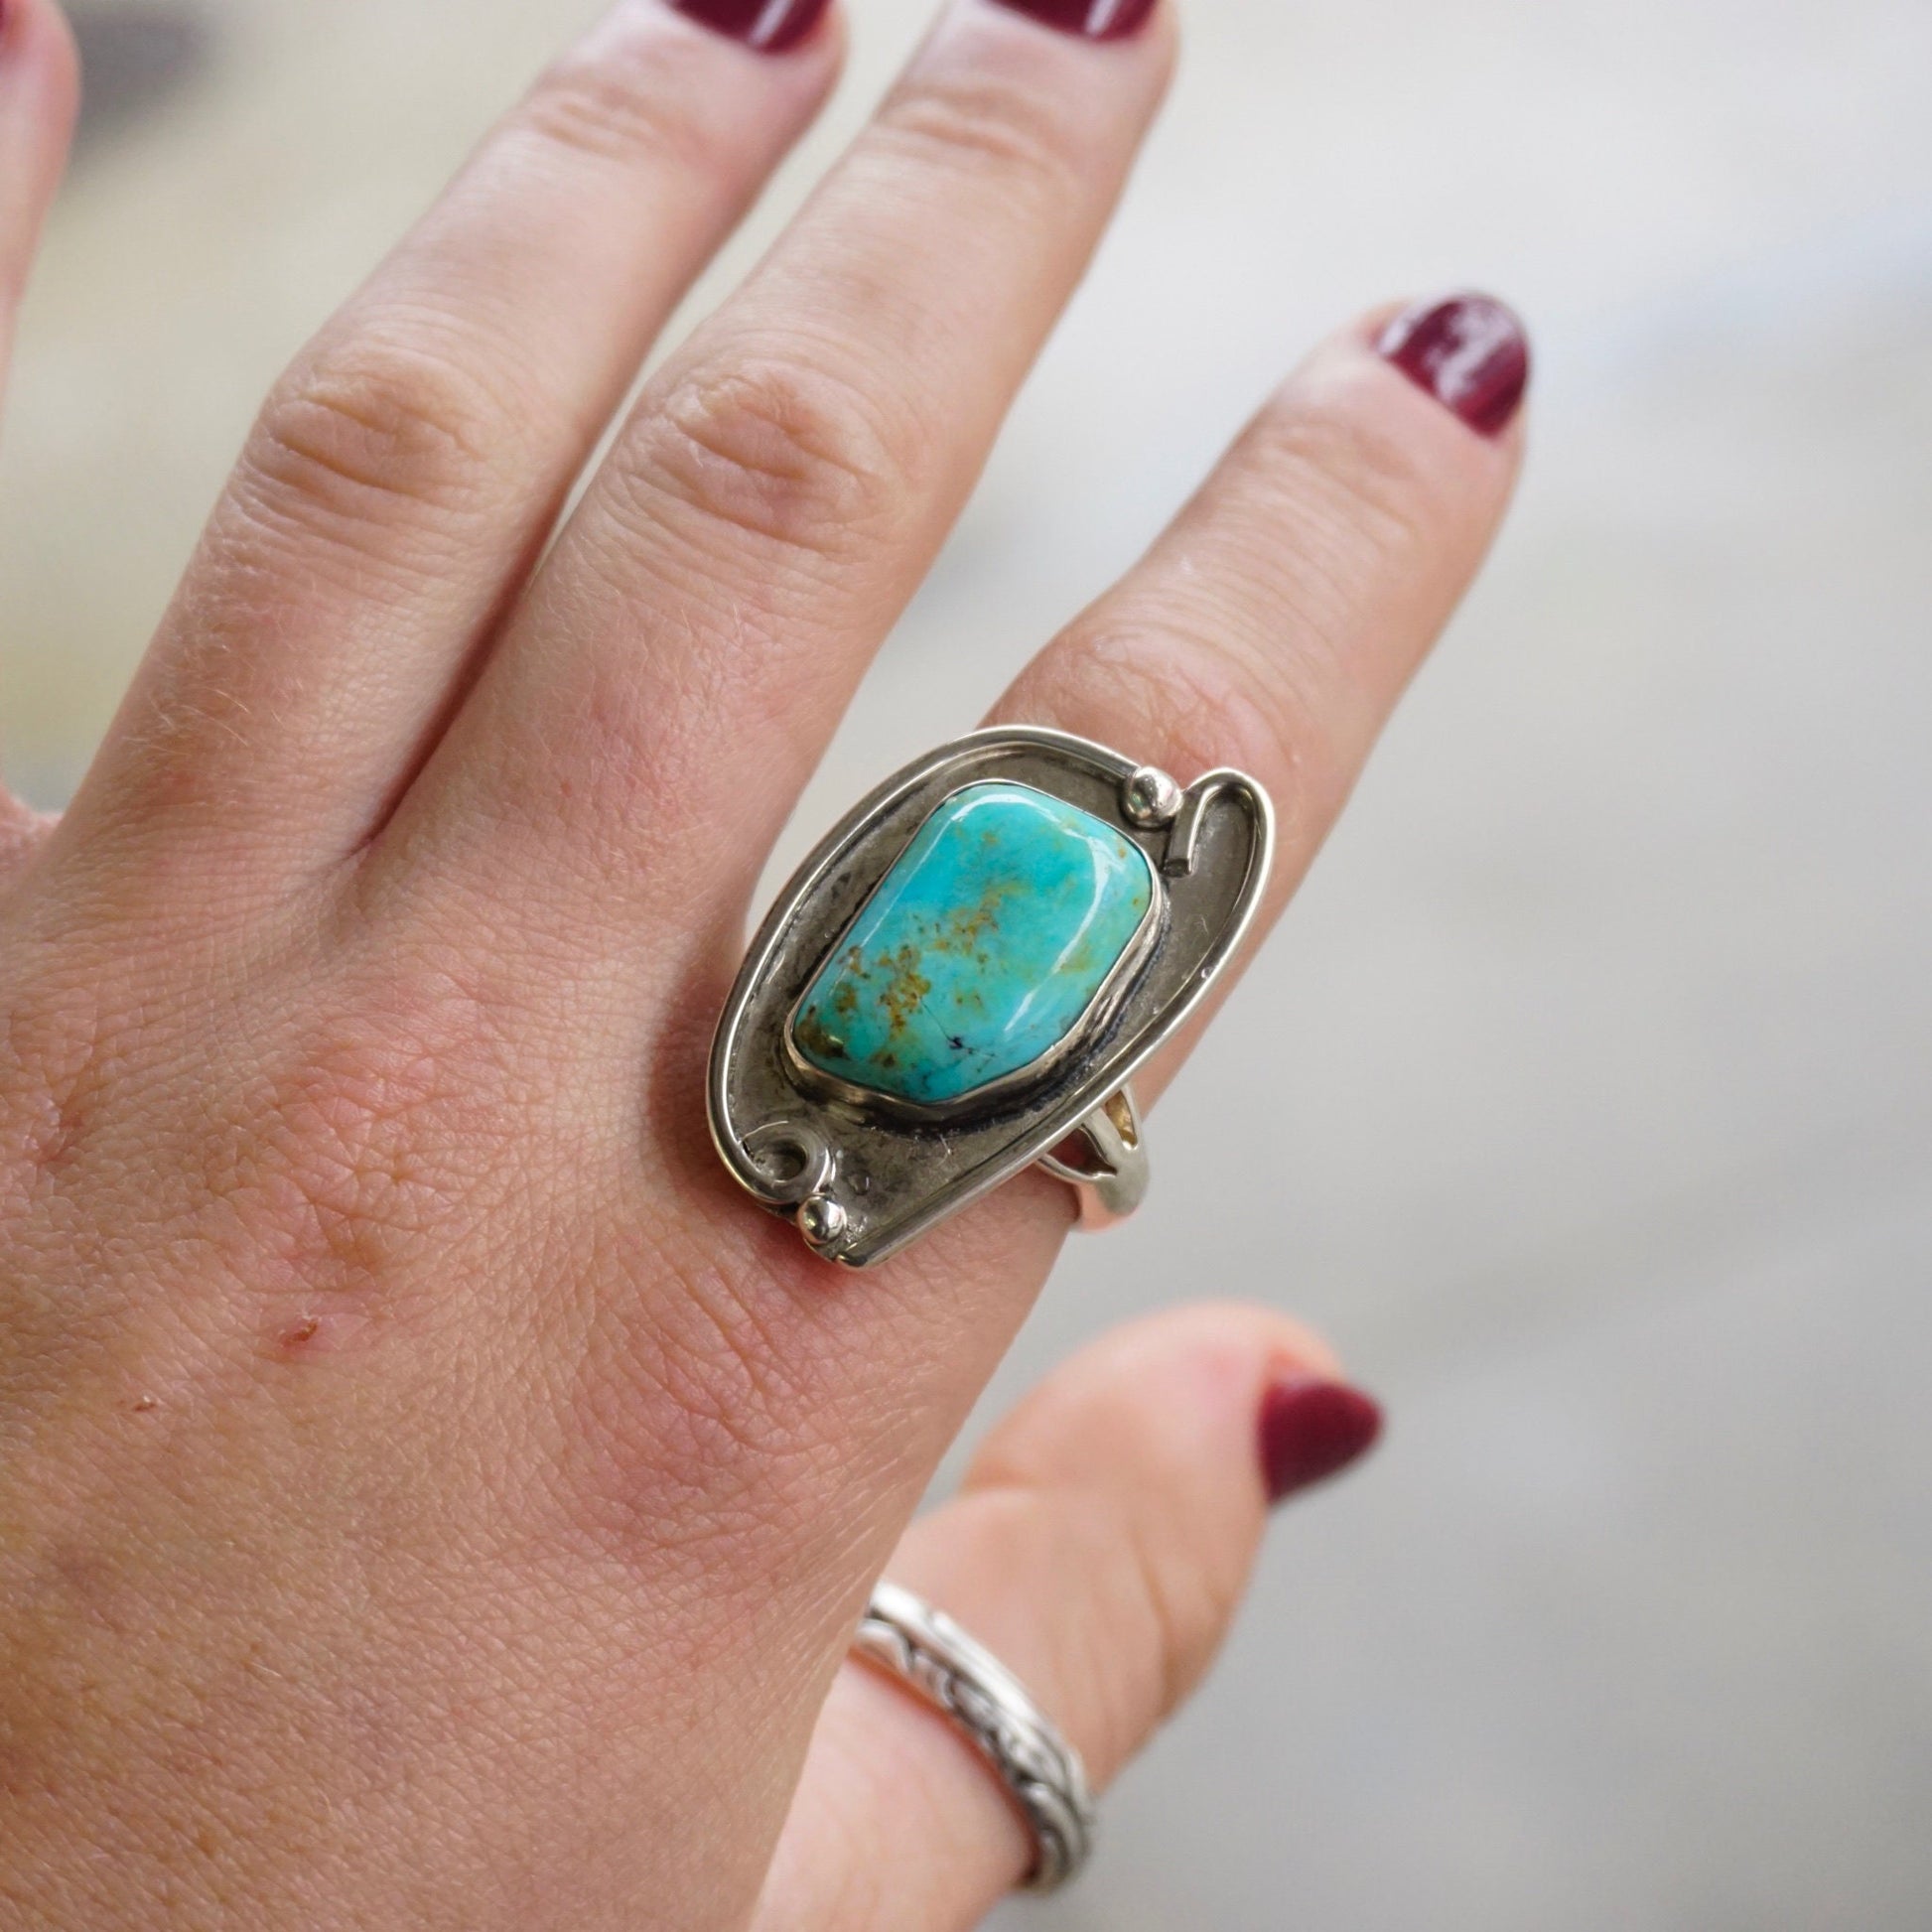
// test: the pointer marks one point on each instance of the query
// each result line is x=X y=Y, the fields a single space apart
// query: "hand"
x=434 y=1495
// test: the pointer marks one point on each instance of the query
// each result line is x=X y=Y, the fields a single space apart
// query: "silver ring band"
x=961 y=1679
x=1111 y=1180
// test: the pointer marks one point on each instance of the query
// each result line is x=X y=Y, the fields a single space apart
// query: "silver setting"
x=1112 y=1181
x=793 y=1136
x=961 y=1679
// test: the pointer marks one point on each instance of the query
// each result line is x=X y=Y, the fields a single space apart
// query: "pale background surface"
x=1587 y=1096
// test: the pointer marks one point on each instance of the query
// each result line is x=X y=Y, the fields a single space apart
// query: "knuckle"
x=1259 y=650
x=778 y=450
x=376 y=425
x=1190 y=694
x=614 y=105
x=991 y=124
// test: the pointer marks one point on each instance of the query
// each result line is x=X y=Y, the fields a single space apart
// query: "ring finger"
x=1276 y=621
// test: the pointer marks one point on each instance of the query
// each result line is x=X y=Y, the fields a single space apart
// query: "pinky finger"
x=39 y=89
x=1100 y=1548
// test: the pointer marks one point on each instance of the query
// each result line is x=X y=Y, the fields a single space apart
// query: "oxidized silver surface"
x=863 y=1176
x=959 y=1677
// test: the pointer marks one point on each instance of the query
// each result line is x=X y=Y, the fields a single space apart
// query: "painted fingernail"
x=1092 y=20
x=1468 y=351
x=769 y=26
x=1312 y=1429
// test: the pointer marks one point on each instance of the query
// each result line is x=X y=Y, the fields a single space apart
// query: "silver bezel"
x=789 y=1135
x=1106 y=1000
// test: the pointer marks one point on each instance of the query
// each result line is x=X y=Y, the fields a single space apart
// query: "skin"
x=434 y=1497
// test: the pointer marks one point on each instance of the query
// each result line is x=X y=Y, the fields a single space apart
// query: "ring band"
x=961 y=1679
x=961 y=979
x=1112 y=1181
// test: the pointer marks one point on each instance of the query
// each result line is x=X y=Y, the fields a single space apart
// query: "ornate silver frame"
x=864 y=1177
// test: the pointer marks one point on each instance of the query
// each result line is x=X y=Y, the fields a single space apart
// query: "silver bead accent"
x=822 y=1221
x=1150 y=798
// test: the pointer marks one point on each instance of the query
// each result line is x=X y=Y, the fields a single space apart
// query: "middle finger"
x=781 y=489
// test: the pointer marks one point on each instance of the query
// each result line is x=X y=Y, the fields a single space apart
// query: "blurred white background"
x=1586 y=1096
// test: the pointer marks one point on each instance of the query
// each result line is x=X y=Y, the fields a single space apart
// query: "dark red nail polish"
x=1468 y=351
x=771 y=26
x=1312 y=1429
x=1092 y=20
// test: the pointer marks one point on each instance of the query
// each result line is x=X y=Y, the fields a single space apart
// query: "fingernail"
x=1312 y=1429
x=769 y=26
x=1468 y=351
x=1092 y=20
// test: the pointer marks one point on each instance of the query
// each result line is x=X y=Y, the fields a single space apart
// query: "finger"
x=1099 y=1548
x=1276 y=623
x=404 y=474
x=783 y=486
x=38 y=88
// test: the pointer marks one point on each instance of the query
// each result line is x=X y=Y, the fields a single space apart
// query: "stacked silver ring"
x=990 y=1706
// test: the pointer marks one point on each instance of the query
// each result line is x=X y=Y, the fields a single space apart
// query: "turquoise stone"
x=982 y=948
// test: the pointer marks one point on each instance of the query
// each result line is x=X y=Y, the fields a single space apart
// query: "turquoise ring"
x=961 y=979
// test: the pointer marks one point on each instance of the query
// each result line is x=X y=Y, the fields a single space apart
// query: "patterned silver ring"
x=993 y=1710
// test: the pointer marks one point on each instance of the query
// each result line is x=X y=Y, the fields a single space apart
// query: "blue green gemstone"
x=983 y=948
